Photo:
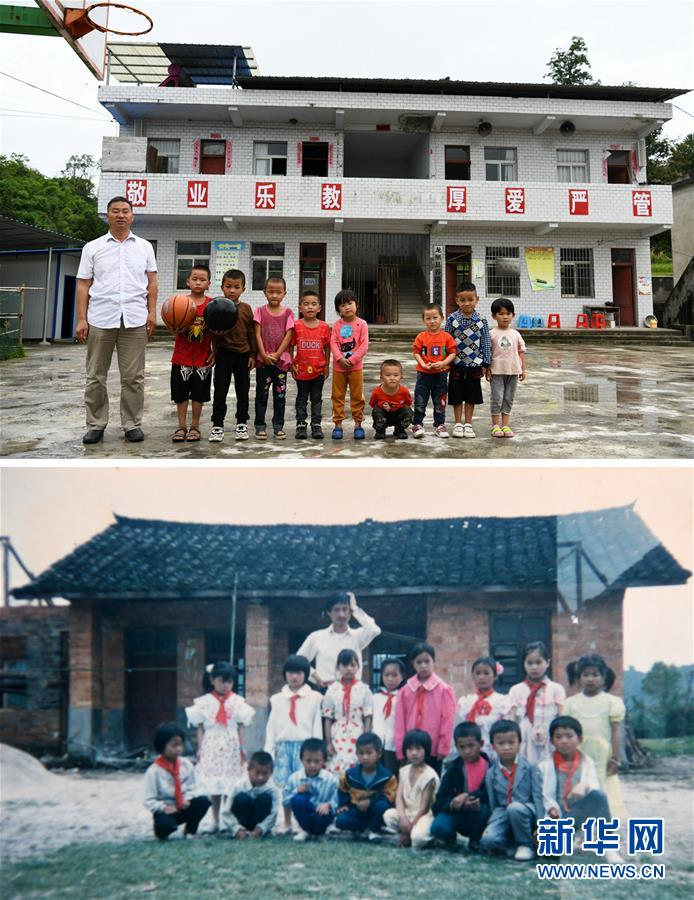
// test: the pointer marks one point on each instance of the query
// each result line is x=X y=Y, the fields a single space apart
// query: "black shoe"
x=134 y=435
x=401 y=434
x=93 y=436
x=316 y=432
x=300 y=432
x=379 y=434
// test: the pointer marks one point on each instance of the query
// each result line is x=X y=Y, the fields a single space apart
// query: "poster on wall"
x=540 y=264
x=227 y=255
x=477 y=270
x=645 y=289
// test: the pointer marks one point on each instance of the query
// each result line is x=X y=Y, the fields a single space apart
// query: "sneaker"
x=523 y=854
x=467 y=431
x=441 y=431
x=458 y=430
x=379 y=435
x=241 y=433
x=337 y=434
x=332 y=829
x=301 y=431
x=417 y=431
x=216 y=435
x=359 y=433
x=400 y=434
x=373 y=837
x=300 y=836
x=316 y=432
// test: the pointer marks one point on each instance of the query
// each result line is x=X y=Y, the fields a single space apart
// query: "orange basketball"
x=178 y=312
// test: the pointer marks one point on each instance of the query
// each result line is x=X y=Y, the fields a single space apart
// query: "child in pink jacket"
x=426 y=702
x=349 y=342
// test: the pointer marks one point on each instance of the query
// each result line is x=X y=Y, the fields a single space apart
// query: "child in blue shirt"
x=366 y=790
x=473 y=358
x=311 y=793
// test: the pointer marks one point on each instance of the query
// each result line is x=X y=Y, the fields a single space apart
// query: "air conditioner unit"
x=567 y=127
x=484 y=128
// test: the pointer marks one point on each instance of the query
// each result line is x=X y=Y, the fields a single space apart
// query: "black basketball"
x=220 y=314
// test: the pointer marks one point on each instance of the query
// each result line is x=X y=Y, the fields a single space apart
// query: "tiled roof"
x=148 y=558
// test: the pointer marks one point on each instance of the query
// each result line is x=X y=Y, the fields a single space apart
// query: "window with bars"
x=163 y=155
x=270 y=158
x=457 y=160
x=576 y=266
x=189 y=254
x=500 y=163
x=267 y=260
x=572 y=166
x=503 y=271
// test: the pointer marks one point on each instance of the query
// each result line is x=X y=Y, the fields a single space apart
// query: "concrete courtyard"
x=588 y=400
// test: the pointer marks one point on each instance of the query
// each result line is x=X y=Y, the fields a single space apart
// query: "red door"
x=150 y=683
x=623 y=285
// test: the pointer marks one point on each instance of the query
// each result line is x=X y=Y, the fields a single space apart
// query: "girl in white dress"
x=486 y=706
x=220 y=717
x=347 y=711
x=534 y=702
x=417 y=787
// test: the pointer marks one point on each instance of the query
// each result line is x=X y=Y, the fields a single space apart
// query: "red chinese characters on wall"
x=331 y=196
x=136 y=191
x=198 y=193
x=515 y=201
x=227 y=157
x=641 y=203
x=265 y=195
x=456 y=199
x=578 y=202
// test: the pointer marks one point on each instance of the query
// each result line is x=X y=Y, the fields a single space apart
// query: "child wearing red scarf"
x=385 y=701
x=294 y=717
x=535 y=702
x=485 y=706
x=220 y=717
x=347 y=711
x=170 y=785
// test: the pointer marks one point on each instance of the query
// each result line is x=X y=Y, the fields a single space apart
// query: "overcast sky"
x=49 y=511
x=647 y=42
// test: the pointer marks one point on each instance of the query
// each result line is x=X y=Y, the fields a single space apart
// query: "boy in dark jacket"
x=366 y=790
x=462 y=804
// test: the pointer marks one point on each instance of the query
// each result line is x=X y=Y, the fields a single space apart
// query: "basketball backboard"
x=92 y=47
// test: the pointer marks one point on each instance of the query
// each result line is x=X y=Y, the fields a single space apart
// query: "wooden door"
x=509 y=632
x=150 y=683
x=312 y=271
x=623 y=285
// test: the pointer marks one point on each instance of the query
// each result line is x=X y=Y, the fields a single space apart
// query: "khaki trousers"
x=355 y=381
x=129 y=344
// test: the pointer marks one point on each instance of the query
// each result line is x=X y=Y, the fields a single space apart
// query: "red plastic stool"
x=597 y=320
x=553 y=320
x=582 y=320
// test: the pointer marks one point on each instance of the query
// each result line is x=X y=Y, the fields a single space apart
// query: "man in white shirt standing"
x=116 y=308
x=324 y=645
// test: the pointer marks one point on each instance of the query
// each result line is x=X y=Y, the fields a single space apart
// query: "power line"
x=50 y=93
x=28 y=114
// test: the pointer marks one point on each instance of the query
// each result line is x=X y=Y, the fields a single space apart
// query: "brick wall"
x=599 y=630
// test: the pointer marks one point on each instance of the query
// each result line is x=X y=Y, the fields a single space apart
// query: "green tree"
x=570 y=66
x=662 y=688
x=64 y=204
x=80 y=170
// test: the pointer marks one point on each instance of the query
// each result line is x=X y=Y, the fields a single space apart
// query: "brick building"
x=399 y=189
x=143 y=625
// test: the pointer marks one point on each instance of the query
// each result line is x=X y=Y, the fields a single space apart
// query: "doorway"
x=458 y=270
x=150 y=687
x=312 y=271
x=314 y=158
x=618 y=171
x=623 y=285
x=67 y=319
x=509 y=632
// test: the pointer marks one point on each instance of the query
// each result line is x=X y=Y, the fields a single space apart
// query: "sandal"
x=507 y=432
x=179 y=435
x=194 y=433
x=280 y=435
x=497 y=432
x=261 y=435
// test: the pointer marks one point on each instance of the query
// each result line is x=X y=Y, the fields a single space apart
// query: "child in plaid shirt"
x=473 y=358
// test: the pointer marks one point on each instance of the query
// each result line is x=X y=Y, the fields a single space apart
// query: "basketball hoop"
x=78 y=22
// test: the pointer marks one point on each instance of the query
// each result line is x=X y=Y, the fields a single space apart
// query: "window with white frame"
x=270 y=158
x=163 y=155
x=572 y=166
x=576 y=267
x=503 y=271
x=188 y=255
x=500 y=163
x=267 y=260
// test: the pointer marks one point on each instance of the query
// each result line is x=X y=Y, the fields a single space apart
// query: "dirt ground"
x=579 y=401
x=43 y=811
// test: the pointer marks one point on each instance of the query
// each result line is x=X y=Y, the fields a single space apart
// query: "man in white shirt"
x=324 y=645
x=116 y=308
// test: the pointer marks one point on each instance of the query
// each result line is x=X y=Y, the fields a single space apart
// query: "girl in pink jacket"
x=426 y=702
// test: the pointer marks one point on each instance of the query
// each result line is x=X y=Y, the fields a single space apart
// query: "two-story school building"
x=399 y=189
x=139 y=635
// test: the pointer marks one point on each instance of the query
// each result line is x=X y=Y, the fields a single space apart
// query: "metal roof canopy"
x=16 y=235
x=148 y=63
x=627 y=93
